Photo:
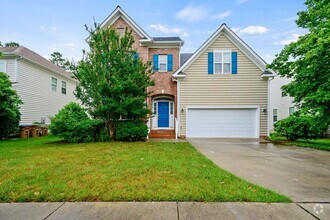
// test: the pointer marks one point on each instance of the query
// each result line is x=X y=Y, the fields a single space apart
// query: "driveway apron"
x=303 y=174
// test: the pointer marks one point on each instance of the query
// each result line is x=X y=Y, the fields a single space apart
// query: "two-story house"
x=43 y=87
x=164 y=52
x=222 y=90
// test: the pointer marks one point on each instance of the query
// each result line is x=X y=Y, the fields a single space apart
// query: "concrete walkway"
x=161 y=210
x=303 y=174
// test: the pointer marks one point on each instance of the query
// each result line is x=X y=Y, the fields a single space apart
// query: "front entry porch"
x=162 y=120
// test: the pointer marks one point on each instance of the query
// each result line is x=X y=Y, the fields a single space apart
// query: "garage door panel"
x=222 y=122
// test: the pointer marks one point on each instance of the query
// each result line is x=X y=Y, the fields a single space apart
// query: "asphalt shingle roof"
x=34 y=57
x=162 y=39
x=184 y=57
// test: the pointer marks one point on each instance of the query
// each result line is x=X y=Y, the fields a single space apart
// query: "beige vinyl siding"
x=34 y=87
x=244 y=88
x=10 y=68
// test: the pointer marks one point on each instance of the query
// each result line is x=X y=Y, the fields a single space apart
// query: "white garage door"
x=223 y=122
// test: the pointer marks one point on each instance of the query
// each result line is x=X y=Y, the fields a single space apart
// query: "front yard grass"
x=45 y=169
x=320 y=144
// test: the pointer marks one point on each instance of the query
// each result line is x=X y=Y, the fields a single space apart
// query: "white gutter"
x=268 y=103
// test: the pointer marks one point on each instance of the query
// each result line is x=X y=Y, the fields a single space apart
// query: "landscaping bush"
x=131 y=131
x=73 y=125
x=9 y=107
x=300 y=127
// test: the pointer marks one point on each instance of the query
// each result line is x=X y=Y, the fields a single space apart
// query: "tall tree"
x=9 y=107
x=307 y=61
x=112 y=79
x=57 y=59
x=12 y=44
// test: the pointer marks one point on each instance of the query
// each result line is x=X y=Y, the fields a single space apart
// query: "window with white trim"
x=171 y=108
x=63 y=87
x=54 y=84
x=3 y=66
x=222 y=61
x=291 y=110
x=121 y=32
x=128 y=117
x=162 y=63
x=274 y=115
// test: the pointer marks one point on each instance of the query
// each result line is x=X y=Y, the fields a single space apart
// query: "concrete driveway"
x=303 y=174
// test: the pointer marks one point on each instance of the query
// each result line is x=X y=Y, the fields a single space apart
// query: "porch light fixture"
x=182 y=110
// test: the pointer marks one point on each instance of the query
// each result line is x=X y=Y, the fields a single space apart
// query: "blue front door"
x=163 y=114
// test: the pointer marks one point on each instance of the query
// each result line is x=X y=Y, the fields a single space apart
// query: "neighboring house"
x=223 y=90
x=281 y=105
x=43 y=87
x=164 y=52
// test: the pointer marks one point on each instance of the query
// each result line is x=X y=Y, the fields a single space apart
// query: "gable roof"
x=145 y=40
x=35 y=58
x=237 y=41
x=184 y=57
x=119 y=12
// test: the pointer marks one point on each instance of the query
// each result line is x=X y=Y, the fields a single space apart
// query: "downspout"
x=268 y=103
x=177 y=103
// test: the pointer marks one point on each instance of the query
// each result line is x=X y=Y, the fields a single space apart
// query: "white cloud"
x=165 y=29
x=63 y=46
x=168 y=30
x=54 y=28
x=193 y=13
x=221 y=15
x=242 y=1
x=250 y=30
x=292 y=38
x=42 y=28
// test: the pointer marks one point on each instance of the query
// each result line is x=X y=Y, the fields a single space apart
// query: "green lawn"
x=320 y=144
x=45 y=169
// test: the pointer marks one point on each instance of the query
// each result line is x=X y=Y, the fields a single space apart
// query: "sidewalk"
x=162 y=210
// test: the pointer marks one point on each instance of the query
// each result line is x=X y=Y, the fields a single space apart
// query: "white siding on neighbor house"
x=34 y=87
x=282 y=104
x=10 y=68
x=242 y=89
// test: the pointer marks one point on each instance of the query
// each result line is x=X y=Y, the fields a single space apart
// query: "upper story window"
x=222 y=61
x=162 y=66
x=121 y=32
x=3 y=66
x=54 y=84
x=274 y=115
x=63 y=87
x=163 y=62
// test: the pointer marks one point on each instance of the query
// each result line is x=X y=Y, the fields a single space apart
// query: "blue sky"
x=45 y=26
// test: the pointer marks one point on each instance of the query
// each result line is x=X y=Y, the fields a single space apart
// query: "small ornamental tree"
x=112 y=80
x=307 y=62
x=9 y=107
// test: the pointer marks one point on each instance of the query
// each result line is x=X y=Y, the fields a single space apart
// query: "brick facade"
x=164 y=84
x=143 y=51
